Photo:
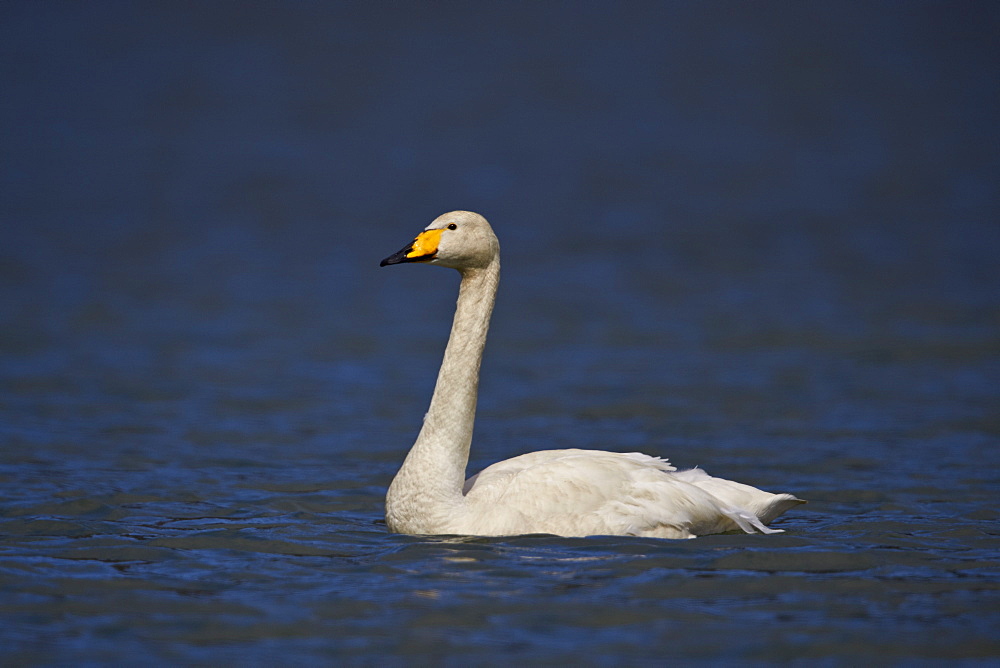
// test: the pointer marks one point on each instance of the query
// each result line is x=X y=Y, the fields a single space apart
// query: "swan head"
x=460 y=239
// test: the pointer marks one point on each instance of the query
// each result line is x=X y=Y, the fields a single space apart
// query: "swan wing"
x=588 y=492
x=590 y=467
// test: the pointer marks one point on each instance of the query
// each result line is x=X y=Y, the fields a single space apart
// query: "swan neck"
x=437 y=461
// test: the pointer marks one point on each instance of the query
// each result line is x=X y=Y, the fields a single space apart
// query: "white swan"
x=562 y=492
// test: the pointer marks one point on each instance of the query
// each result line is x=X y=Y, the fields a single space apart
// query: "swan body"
x=562 y=492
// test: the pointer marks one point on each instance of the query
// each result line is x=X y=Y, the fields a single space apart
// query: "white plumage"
x=563 y=492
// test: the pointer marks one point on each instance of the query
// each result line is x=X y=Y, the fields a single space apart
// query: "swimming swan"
x=562 y=492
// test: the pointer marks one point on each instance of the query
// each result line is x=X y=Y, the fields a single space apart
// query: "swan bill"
x=423 y=249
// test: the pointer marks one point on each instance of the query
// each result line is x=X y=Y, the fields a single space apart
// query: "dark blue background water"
x=757 y=237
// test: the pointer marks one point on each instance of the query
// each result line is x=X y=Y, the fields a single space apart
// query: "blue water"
x=760 y=239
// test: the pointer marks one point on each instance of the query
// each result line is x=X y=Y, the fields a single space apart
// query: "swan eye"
x=453 y=226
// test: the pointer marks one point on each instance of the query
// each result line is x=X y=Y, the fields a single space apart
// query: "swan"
x=562 y=492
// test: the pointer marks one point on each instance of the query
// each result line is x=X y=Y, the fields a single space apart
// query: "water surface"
x=761 y=241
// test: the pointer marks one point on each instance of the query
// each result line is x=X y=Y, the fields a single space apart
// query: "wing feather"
x=588 y=492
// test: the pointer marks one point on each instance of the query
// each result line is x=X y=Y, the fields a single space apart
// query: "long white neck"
x=428 y=487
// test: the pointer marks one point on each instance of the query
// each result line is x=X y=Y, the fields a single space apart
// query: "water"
x=762 y=241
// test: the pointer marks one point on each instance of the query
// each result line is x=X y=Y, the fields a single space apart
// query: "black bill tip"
x=396 y=258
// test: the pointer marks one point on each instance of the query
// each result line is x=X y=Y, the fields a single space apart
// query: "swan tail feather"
x=778 y=505
x=747 y=521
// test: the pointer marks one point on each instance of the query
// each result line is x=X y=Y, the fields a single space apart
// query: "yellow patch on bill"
x=425 y=245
